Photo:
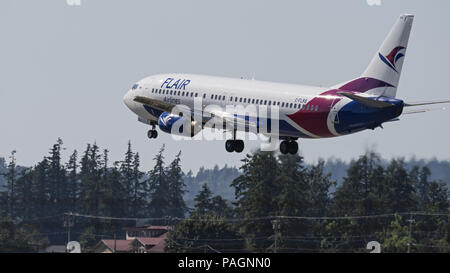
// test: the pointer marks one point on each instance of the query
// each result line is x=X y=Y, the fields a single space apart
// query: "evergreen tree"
x=90 y=180
x=11 y=177
x=138 y=202
x=126 y=170
x=14 y=239
x=204 y=233
x=203 y=200
x=57 y=181
x=73 y=185
x=24 y=186
x=401 y=192
x=40 y=188
x=177 y=207
x=319 y=185
x=255 y=190
x=158 y=187
x=115 y=195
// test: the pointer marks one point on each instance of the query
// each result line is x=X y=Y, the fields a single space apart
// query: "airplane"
x=365 y=102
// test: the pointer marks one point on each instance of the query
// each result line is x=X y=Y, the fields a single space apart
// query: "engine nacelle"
x=175 y=124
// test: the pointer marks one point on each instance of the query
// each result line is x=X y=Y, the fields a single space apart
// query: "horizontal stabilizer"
x=426 y=103
x=366 y=101
x=423 y=110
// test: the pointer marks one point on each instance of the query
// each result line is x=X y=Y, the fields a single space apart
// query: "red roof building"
x=147 y=239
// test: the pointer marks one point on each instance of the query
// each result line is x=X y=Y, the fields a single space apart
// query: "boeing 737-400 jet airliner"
x=302 y=111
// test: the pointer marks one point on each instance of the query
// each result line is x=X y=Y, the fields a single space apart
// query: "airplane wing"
x=233 y=121
x=160 y=105
x=218 y=117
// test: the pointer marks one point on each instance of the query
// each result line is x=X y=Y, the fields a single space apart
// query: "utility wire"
x=168 y=218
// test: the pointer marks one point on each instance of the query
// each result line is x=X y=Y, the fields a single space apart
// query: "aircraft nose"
x=128 y=99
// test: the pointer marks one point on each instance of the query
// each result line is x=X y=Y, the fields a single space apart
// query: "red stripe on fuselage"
x=315 y=122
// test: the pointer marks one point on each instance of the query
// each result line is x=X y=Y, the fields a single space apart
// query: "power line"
x=166 y=218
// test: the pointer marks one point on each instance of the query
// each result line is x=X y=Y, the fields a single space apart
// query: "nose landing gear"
x=152 y=133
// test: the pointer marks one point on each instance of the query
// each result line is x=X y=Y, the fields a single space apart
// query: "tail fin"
x=382 y=76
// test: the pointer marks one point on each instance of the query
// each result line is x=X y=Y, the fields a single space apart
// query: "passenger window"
x=135 y=87
x=265 y=102
x=290 y=105
x=215 y=97
x=204 y=96
x=269 y=102
x=240 y=99
x=223 y=97
x=257 y=101
x=196 y=94
x=307 y=107
x=282 y=104
x=245 y=100
x=253 y=101
x=192 y=94
x=317 y=108
x=235 y=99
x=295 y=105
x=212 y=96
x=231 y=98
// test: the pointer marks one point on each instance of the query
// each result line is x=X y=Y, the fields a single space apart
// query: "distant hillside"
x=440 y=170
x=219 y=179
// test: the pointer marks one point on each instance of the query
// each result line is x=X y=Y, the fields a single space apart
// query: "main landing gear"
x=152 y=133
x=289 y=146
x=234 y=145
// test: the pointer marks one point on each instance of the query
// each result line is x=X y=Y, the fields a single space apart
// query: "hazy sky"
x=64 y=69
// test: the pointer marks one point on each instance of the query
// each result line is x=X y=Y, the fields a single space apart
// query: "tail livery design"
x=393 y=57
x=387 y=64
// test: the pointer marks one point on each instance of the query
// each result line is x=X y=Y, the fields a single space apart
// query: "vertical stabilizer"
x=386 y=65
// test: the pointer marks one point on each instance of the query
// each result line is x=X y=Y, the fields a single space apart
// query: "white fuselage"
x=182 y=89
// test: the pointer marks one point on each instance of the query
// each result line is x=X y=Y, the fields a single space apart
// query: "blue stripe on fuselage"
x=285 y=129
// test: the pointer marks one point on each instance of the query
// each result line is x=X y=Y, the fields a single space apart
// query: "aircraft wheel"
x=293 y=147
x=239 y=146
x=152 y=134
x=230 y=146
x=284 y=145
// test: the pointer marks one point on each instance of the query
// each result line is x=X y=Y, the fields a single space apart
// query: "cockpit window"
x=135 y=86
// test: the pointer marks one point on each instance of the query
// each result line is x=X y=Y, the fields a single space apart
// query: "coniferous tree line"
x=270 y=190
x=38 y=198
x=400 y=208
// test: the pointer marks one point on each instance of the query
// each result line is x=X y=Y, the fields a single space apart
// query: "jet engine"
x=176 y=124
